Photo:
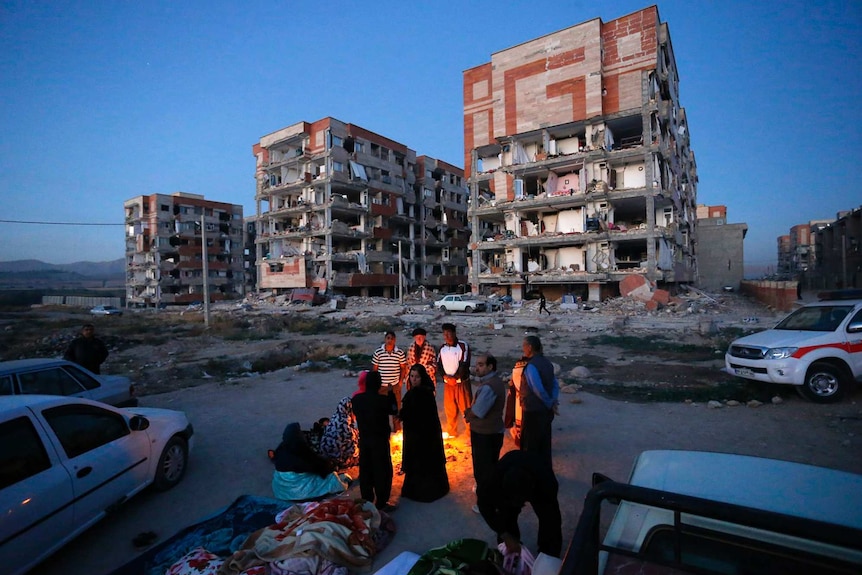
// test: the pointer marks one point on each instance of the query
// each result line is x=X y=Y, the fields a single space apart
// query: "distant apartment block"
x=337 y=204
x=797 y=251
x=838 y=261
x=579 y=162
x=720 y=252
x=784 y=256
x=165 y=261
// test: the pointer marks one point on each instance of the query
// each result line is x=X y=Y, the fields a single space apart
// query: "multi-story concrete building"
x=720 y=252
x=337 y=204
x=249 y=254
x=838 y=262
x=165 y=237
x=785 y=256
x=579 y=162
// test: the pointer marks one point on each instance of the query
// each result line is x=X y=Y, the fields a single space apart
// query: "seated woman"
x=424 y=457
x=340 y=439
x=300 y=473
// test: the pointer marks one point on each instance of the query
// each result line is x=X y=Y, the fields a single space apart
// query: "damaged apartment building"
x=337 y=205
x=165 y=237
x=580 y=168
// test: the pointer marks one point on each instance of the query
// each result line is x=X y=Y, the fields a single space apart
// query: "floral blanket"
x=244 y=522
x=342 y=530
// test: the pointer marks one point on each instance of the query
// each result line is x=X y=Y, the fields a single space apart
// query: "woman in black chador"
x=424 y=459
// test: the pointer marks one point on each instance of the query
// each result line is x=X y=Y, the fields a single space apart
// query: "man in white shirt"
x=454 y=364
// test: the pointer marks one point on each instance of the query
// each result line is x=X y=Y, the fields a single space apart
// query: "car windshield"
x=816 y=318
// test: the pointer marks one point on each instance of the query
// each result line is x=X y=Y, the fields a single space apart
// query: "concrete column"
x=595 y=291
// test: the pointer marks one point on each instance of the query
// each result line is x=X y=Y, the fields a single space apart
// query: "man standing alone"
x=391 y=362
x=87 y=350
x=539 y=395
x=485 y=417
x=454 y=363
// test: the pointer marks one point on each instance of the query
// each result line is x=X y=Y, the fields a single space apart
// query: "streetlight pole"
x=205 y=271
x=400 y=276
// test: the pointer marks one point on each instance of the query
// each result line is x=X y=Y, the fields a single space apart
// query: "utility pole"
x=206 y=270
x=400 y=276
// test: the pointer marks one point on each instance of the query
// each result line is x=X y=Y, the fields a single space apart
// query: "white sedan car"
x=45 y=376
x=459 y=303
x=65 y=462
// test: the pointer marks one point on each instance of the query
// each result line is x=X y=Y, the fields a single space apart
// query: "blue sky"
x=103 y=101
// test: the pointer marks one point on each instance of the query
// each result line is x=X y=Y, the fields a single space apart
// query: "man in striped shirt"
x=391 y=362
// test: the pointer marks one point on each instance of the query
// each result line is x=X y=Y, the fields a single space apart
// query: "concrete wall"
x=81 y=301
x=719 y=254
x=782 y=296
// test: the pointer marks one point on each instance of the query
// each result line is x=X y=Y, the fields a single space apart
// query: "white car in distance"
x=463 y=303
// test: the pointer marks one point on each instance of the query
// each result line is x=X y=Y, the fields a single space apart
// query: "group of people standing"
x=476 y=398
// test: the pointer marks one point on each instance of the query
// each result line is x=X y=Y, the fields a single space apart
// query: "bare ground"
x=648 y=379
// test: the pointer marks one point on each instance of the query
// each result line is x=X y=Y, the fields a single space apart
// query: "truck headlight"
x=780 y=352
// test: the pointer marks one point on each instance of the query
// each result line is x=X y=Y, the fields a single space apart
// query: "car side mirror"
x=139 y=423
x=854 y=327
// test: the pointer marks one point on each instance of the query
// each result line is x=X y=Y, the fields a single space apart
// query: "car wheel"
x=468 y=309
x=442 y=308
x=172 y=463
x=824 y=383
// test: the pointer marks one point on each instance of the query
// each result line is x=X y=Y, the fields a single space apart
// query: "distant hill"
x=87 y=269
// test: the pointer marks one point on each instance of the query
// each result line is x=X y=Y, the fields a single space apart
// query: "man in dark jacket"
x=522 y=477
x=87 y=350
x=372 y=411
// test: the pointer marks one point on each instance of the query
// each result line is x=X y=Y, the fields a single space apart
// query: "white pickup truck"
x=817 y=348
x=694 y=512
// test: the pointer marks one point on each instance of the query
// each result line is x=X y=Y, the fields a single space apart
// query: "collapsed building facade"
x=165 y=236
x=336 y=205
x=579 y=162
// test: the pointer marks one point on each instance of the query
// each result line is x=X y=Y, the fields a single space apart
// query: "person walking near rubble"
x=539 y=395
x=422 y=353
x=543 y=304
x=485 y=417
x=87 y=350
x=454 y=362
x=372 y=410
x=391 y=362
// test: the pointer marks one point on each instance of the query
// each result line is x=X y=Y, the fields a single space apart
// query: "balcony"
x=382 y=233
x=382 y=209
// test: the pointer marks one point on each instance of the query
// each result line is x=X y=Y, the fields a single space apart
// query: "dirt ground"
x=632 y=381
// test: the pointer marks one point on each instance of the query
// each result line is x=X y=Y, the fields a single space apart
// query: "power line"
x=57 y=223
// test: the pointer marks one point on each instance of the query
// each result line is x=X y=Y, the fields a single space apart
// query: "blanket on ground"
x=220 y=534
x=343 y=530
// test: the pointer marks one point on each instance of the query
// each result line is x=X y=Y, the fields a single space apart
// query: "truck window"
x=708 y=551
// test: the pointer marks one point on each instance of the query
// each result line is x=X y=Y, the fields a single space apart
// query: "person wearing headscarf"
x=301 y=473
x=372 y=410
x=424 y=457
x=340 y=441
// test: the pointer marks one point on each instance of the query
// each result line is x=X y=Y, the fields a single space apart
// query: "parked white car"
x=719 y=513
x=817 y=348
x=106 y=310
x=60 y=377
x=464 y=303
x=65 y=462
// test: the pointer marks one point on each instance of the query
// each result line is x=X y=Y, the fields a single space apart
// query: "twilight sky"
x=103 y=101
